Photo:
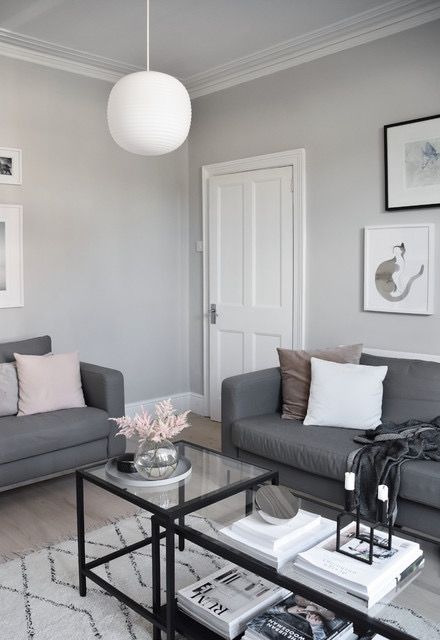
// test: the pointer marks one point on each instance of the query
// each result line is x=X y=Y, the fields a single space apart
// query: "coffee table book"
x=367 y=582
x=277 y=544
x=227 y=599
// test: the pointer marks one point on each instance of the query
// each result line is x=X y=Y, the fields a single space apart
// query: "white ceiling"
x=191 y=37
x=187 y=36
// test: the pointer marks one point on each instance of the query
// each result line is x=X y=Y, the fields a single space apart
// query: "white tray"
x=182 y=471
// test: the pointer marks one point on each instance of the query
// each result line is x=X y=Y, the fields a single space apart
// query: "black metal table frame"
x=165 y=619
x=161 y=518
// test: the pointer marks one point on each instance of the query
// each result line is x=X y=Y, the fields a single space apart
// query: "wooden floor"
x=44 y=512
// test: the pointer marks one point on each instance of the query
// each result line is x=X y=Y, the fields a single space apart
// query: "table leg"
x=249 y=501
x=170 y=581
x=80 y=531
x=181 y=518
x=155 y=570
x=276 y=479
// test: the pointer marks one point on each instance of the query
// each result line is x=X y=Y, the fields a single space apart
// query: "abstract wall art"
x=412 y=164
x=399 y=269
x=11 y=255
x=10 y=166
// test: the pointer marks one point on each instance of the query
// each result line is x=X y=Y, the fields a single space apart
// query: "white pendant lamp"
x=148 y=112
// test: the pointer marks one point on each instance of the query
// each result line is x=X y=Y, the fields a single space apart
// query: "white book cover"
x=253 y=528
x=230 y=595
x=285 y=553
x=325 y=561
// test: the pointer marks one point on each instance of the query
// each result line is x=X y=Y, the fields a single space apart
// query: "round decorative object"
x=277 y=504
x=135 y=480
x=125 y=463
x=149 y=113
x=156 y=460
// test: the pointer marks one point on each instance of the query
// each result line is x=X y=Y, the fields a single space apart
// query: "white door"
x=250 y=273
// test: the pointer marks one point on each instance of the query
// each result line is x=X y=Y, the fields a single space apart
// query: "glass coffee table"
x=214 y=477
x=220 y=490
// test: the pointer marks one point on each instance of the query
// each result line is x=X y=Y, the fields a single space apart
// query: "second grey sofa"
x=48 y=443
x=313 y=459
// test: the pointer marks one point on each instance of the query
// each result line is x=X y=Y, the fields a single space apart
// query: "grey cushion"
x=323 y=451
x=32 y=347
x=8 y=389
x=411 y=388
x=25 y=436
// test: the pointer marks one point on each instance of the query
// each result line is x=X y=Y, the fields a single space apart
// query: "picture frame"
x=10 y=166
x=399 y=268
x=11 y=256
x=412 y=164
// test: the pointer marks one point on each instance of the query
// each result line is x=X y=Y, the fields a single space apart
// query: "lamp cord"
x=148 y=35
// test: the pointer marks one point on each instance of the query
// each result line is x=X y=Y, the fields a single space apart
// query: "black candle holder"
x=353 y=512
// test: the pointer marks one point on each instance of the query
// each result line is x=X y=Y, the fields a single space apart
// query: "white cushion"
x=345 y=395
x=48 y=383
x=8 y=389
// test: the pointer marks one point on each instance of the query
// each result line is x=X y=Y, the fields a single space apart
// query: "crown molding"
x=387 y=19
x=390 y=18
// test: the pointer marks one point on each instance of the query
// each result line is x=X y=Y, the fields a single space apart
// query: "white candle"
x=350 y=479
x=382 y=493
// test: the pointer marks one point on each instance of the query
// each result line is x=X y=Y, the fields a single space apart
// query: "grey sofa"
x=48 y=443
x=313 y=459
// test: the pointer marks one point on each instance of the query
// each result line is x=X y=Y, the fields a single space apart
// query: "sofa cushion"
x=32 y=347
x=28 y=436
x=411 y=388
x=323 y=451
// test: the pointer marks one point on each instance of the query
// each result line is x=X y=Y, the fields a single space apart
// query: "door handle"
x=213 y=313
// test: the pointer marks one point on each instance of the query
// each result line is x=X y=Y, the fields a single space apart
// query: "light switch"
x=199 y=246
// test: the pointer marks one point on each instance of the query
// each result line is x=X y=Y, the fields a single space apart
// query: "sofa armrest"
x=104 y=389
x=249 y=394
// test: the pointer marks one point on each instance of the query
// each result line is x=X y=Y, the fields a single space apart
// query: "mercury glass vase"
x=156 y=460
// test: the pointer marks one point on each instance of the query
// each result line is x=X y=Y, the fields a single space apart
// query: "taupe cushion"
x=45 y=432
x=8 y=389
x=48 y=383
x=296 y=375
x=323 y=451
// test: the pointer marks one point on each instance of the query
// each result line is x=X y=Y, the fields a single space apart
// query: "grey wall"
x=335 y=108
x=105 y=232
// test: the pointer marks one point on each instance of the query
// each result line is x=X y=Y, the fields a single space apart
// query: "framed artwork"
x=10 y=166
x=11 y=255
x=399 y=268
x=412 y=164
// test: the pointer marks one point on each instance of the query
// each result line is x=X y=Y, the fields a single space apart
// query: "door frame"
x=296 y=159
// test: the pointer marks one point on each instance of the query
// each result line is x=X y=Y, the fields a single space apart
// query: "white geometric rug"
x=39 y=597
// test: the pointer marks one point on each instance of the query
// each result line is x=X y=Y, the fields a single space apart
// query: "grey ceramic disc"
x=182 y=471
x=277 y=502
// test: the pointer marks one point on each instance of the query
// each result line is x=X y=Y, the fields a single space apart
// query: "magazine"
x=296 y=618
x=227 y=599
x=357 y=577
x=275 y=552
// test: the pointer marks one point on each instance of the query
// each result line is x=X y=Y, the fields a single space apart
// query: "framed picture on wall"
x=399 y=269
x=10 y=166
x=412 y=164
x=11 y=255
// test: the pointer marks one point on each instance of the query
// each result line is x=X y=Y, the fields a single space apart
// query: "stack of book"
x=227 y=599
x=353 y=579
x=276 y=544
x=296 y=618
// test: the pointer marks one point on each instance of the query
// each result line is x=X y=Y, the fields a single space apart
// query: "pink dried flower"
x=165 y=425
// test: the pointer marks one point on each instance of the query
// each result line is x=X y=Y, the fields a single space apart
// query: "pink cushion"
x=48 y=383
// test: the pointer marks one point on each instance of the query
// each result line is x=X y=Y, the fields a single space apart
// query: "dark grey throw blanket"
x=384 y=451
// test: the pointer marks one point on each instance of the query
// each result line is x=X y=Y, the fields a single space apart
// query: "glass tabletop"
x=411 y=610
x=213 y=476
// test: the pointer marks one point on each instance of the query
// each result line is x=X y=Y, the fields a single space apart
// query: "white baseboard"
x=181 y=401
